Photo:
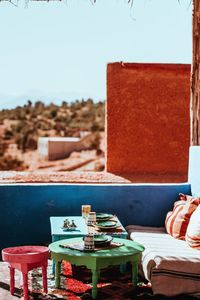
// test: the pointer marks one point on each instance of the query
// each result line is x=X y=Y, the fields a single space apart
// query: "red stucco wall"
x=148 y=122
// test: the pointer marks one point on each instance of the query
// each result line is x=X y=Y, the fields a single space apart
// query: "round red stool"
x=24 y=259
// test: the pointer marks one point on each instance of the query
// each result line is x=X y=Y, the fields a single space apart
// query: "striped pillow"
x=193 y=231
x=176 y=221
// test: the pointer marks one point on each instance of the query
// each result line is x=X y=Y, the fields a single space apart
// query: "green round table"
x=95 y=261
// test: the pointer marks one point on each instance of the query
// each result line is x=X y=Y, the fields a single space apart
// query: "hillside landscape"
x=21 y=127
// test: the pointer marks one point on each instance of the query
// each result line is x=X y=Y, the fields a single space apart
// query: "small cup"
x=89 y=242
x=85 y=209
x=91 y=218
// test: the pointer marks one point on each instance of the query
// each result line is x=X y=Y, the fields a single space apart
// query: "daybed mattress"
x=172 y=267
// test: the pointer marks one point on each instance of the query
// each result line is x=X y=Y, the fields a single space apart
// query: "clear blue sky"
x=57 y=51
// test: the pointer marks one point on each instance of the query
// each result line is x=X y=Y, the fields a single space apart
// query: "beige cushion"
x=177 y=221
x=193 y=230
x=172 y=267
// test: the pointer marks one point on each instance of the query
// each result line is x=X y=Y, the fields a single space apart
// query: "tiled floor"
x=4 y=283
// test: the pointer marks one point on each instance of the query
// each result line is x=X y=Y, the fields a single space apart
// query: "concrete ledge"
x=61 y=177
x=87 y=177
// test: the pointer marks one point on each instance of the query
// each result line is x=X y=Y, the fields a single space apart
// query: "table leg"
x=134 y=273
x=53 y=267
x=123 y=268
x=54 y=239
x=95 y=275
x=25 y=285
x=44 y=278
x=12 y=280
x=57 y=274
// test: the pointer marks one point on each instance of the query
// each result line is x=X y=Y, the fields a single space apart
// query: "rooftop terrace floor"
x=112 y=285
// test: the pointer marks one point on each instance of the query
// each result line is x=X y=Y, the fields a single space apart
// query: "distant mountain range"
x=12 y=101
x=7 y=102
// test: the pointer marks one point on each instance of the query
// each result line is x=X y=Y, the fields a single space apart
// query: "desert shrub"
x=99 y=167
x=44 y=125
x=10 y=163
x=17 y=128
x=99 y=152
x=95 y=127
x=31 y=142
x=3 y=147
x=92 y=141
x=64 y=104
x=8 y=134
x=53 y=113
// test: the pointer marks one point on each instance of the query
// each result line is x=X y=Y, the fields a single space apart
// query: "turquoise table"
x=95 y=261
x=58 y=233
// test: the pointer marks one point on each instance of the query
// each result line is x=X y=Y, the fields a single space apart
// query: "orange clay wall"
x=148 y=125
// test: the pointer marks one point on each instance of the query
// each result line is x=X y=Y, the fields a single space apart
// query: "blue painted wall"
x=25 y=209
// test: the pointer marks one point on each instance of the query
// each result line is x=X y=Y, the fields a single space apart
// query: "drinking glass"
x=86 y=209
x=89 y=242
x=91 y=218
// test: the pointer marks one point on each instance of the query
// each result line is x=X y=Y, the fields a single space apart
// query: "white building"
x=52 y=148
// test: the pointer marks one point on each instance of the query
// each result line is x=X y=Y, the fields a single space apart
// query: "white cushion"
x=167 y=262
x=193 y=230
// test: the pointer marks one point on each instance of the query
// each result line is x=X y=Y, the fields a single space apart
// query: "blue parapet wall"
x=25 y=209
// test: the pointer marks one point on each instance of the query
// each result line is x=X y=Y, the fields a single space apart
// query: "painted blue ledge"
x=25 y=209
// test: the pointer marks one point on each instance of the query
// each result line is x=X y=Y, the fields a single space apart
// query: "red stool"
x=24 y=259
